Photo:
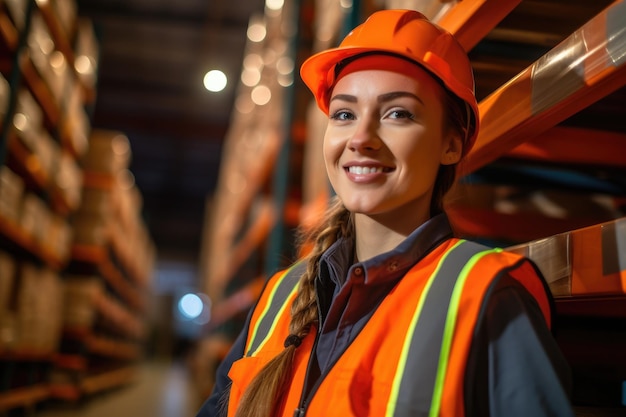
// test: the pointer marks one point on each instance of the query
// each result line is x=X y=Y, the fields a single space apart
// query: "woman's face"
x=385 y=141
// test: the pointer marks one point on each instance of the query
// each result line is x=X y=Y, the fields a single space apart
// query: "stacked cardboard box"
x=11 y=193
x=110 y=212
x=7 y=282
x=38 y=310
x=81 y=294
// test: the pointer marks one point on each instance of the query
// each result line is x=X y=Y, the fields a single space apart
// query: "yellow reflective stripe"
x=453 y=309
x=393 y=397
x=268 y=305
x=271 y=330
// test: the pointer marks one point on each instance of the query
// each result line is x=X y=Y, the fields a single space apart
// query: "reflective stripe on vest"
x=283 y=290
x=437 y=324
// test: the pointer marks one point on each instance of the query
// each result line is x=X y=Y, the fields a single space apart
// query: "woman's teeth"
x=364 y=170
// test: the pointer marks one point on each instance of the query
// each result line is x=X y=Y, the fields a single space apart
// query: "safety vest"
x=410 y=358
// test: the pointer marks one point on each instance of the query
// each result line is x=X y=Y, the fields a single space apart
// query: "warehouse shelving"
x=100 y=347
x=25 y=364
x=100 y=260
x=246 y=213
x=22 y=243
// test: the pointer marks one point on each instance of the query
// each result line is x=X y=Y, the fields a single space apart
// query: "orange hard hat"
x=408 y=34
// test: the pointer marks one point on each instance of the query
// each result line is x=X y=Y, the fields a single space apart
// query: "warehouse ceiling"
x=154 y=54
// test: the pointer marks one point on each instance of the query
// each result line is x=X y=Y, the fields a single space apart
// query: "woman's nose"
x=365 y=136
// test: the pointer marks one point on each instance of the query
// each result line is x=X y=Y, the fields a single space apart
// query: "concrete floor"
x=162 y=389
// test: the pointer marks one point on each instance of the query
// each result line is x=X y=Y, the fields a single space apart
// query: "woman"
x=390 y=315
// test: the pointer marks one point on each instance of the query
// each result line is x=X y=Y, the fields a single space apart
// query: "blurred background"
x=158 y=157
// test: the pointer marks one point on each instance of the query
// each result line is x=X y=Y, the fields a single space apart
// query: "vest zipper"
x=301 y=410
x=305 y=396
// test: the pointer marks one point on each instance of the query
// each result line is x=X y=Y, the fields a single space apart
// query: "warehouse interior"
x=154 y=189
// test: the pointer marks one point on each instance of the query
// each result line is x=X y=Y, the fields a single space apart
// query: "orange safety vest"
x=410 y=357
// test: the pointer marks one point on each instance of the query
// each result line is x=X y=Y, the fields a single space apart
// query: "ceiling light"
x=256 y=29
x=215 y=81
x=250 y=77
x=261 y=95
x=274 y=4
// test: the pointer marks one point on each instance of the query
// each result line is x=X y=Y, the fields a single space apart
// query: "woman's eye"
x=400 y=114
x=342 y=115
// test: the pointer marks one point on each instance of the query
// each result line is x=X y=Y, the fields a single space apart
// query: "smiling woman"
x=390 y=314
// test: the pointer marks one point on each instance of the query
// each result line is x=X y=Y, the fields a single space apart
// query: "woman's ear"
x=452 y=149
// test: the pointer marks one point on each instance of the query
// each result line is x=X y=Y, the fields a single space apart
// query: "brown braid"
x=263 y=395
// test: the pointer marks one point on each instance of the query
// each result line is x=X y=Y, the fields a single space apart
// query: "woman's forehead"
x=377 y=81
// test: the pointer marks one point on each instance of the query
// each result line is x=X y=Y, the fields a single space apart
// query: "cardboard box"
x=68 y=179
x=80 y=295
x=8 y=331
x=28 y=119
x=90 y=229
x=5 y=95
x=59 y=237
x=75 y=122
x=7 y=278
x=38 y=310
x=87 y=52
x=11 y=194
x=35 y=217
x=109 y=152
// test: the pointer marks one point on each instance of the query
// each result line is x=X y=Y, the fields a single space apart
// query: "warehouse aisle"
x=161 y=390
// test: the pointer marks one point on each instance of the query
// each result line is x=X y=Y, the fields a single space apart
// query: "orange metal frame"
x=507 y=118
x=471 y=20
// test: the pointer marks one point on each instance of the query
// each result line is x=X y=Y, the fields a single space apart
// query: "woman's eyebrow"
x=381 y=99
x=344 y=97
x=397 y=94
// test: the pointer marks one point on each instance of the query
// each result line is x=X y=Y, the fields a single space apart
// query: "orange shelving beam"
x=8 y=32
x=581 y=70
x=569 y=145
x=471 y=20
x=23 y=396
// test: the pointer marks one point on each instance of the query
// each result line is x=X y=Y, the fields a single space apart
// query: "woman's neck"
x=374 y=236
